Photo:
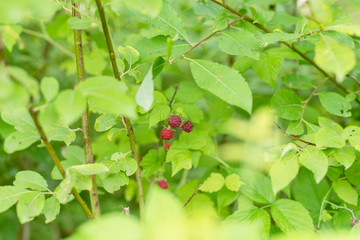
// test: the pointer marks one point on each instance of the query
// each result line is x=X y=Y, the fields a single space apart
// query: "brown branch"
x=94 y=198
x=354 y=78
x=57 y=162
x=310 y=97
x=196 y=190
x=309 y=60
x=173 y=96
x=294 y=137
x=204 y=40
x=127 y=122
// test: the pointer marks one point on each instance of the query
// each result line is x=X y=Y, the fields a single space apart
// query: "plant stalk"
x=56 y=160
x=127 y=122
x=94 y=198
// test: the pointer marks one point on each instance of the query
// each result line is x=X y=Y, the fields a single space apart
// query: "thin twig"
x=354 y=78
x=126 y=121
x=337 y=206
x=294 y=137
x=204 y=40
x=174 y=94
x=187 y=202
x=150 y=183
x=56 y=160
x=94 y=198
x=322 y=207
x=289 y=45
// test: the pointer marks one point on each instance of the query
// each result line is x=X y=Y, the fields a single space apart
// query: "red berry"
x=174 y=121
x=163 y=184
x=187 y=126
x=166 y=134
x=167 y=146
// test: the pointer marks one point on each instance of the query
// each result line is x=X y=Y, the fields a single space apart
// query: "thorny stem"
x=294 y=137
x=56 y=160
x=94 y=198
x=126 y=121
x=191 y=197
x=289 y=45
x=204 y=40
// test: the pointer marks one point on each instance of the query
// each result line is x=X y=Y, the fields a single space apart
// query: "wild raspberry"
x=167 y=146
x=166 y=134
x=187 y=126
x=174 y=121
x=163 y=184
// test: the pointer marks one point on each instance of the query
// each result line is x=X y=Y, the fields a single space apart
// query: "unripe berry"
x=167 y=146
x=166 y=134
x=174 y=121
x=187 y=126
x=163 y=184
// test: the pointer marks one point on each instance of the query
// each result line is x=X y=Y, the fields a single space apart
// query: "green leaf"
x=107 y=95
x=130 y=54
x=9 y=195
x=49 y=88
x=321 y=11
x=29 y=206
x=284 y=171
x=268 y=68
x=240 y=43
x=345 y=156
x=327 y=137
x=297 y=81
x=20 y=140
x=79 y=23
x=30 y=179
x=179 y=158
x=287 y=105
x=335 y=104
x=233 y=182
x=148 y=7
x=150 y=163
x=295 y=128
x=334 y=57
x=291 y=216
x=279 y=36
x=89 y=169
x=213 y=183
x=348 y=28
x=223 y=82
x=315 y=160
x=345 y=191
x=326 y=122
x=145 y=95
x=30 y=84
x=61 y=134
x=70 y=104
x=11 y=34
x=126 y=164
x=353 y=173
x=257 y=187
x=113 y=182
x=62 y=191
x=252 y=215
x=159 y=113
x=51 y=209
x=105 y=122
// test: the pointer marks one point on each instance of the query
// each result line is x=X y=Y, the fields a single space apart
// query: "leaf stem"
x=191 y=197
x=322 y=207
x=289 y=45
x=294 y=137
x=56 y=160
x=126 y=121
x=94 y=198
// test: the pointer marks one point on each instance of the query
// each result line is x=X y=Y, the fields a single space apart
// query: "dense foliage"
x=187 y=119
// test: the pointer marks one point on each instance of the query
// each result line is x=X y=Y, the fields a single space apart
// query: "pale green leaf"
x=105 y=122
x=113 y=182
x=51 y=209
x=287 y=105
x=345 y=191
x=179 y=158
x=145 y=94
x=315 y=160
x=20 y=140
x=70 y=104
x=327 y=137
x=29 y=206
x=348 y=28
x=159 y=113
x=335 y=104
x=79 y=23
x=9 y=195
x=268 y=68
x=233 y=182
x=148 y=7
x=279 y=36
x=345 y=156
x=130 y=54
x=89 y=169
x=49 y=88
x=213 y=183
x=30 y=179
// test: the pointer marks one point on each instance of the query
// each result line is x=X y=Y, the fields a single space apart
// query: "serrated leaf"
x=159 y=113
x=223 y=82
x=29 y=206
x=145 y=94
x=113 y=182
x=268 y=68
x=345 y=191
x=240 y=43
x=233 y=182
x=9 y=195
x=315 y=160
x=334 y=57
x=179 y=158
x=213 y=183
x=150 y=163
x=284 y=171
x=287 y=105
x=335 y=104
x=30 y=179
x=51 y=209
x=291 y=216
x=49 y=87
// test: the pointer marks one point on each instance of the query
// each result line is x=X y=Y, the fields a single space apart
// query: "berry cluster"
x=175 y=121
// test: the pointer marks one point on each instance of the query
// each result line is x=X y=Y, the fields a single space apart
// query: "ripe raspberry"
x=167 y=146
x=187 y=126
x=163 y=184
x=166 y=134
x=174 y=121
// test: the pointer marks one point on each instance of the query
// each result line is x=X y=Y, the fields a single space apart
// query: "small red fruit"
x=174 y=121
x=166 y=134
x=167 y=146
x=187 y=126
x=163 y=184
